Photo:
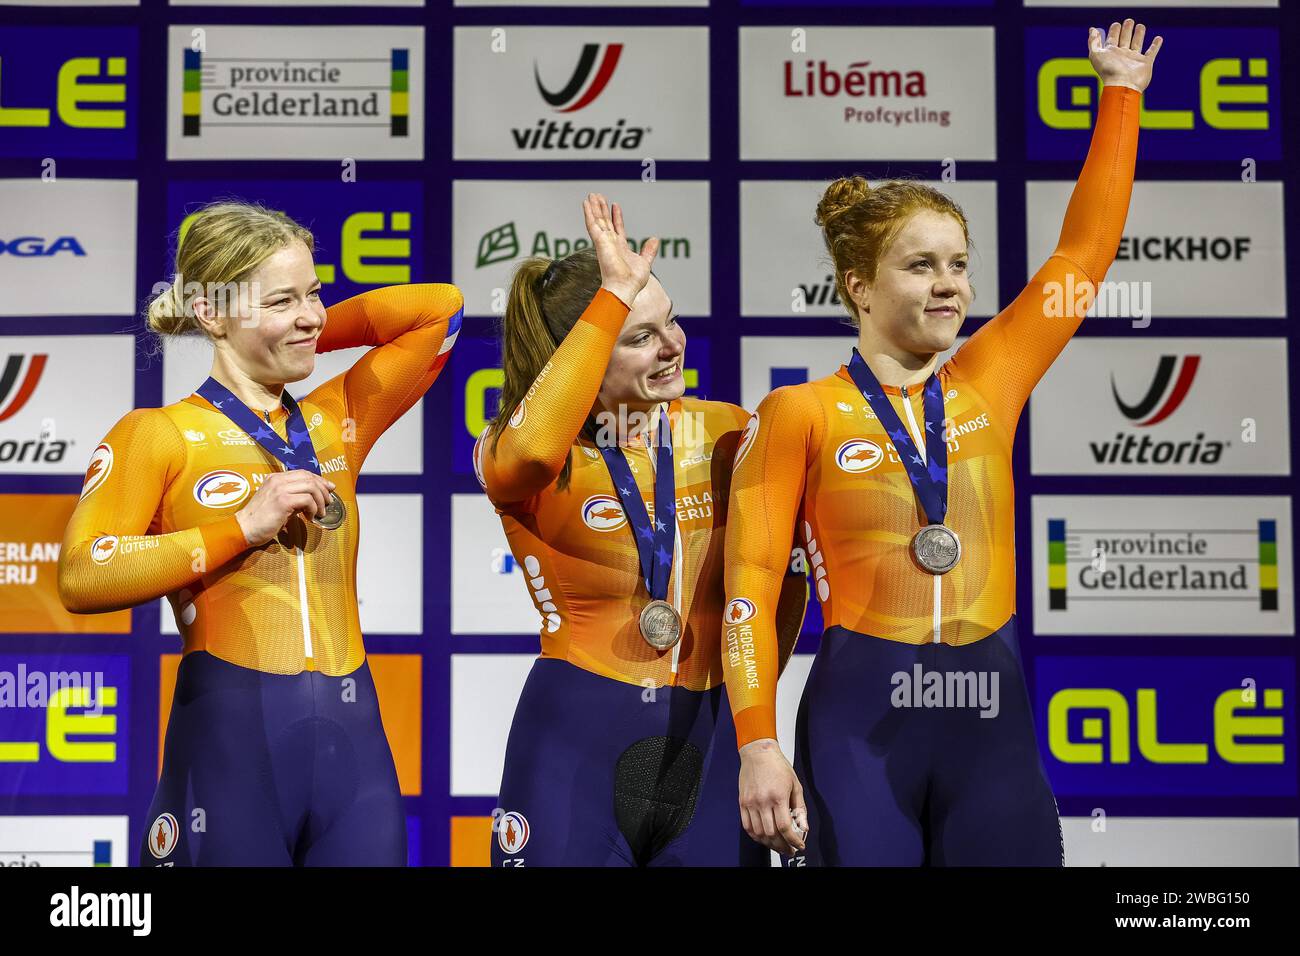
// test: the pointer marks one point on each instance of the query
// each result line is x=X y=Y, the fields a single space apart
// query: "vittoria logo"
x=164 y=834
x=102 y=551
x=858 y=455
x=101 y=463
x=512 y=832
x=578 y=92
x=603 y=513
x=746 y=440
x=589 y=79
x=1169 y=387
x=1162 y=398
x=17 y=383
x=221 y=489
x=739 y=610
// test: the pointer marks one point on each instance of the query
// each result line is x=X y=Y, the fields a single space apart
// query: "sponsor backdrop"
x=435 y=140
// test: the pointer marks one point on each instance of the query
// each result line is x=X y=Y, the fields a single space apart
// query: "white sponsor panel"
x=1169 y=564
x=399 y=451
x=489 y=589
x=603 y=4
x=1189 y=249
x=497 y=223
x=786 y=270
x=484 y=691
x=860 y=93
x=1226 y=4
x=291 y=93
x=546 y=93
x=64 y=841
x=1180 y=841
x=389 y=566
x=64 y=394
x=296 y=3
x=769 y=361
x=67 y=247
x=1163 y=406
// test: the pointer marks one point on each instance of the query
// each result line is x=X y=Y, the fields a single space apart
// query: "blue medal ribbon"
x=654 y=545
x=929 y=478
x=297 y=452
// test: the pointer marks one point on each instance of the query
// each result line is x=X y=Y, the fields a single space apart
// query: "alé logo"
x=1164 y=395
x=587 y=80
x=18 y=383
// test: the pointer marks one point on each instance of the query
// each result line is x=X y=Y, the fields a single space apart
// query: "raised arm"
x=108 y=560
x=529 y=454
x=411 y=329
x=1012 y=351
x=535 y=445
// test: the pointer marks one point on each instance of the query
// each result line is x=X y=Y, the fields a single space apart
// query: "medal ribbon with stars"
x=654 y=544
x=298 y=452
x=930 y=477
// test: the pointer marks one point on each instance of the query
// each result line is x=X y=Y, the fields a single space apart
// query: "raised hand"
x=622 y=270
x=1118 y=58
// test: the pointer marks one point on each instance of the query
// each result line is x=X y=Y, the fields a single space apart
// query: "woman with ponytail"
x=612 y=488
x=915 y=741
x=238 y=504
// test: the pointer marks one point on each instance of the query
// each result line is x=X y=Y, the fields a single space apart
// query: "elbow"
x=75 y=593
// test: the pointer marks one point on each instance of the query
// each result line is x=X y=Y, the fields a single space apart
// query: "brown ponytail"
x=547 y=297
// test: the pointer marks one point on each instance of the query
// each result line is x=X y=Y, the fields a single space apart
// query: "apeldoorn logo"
x=319 y=91
x=1162 y=565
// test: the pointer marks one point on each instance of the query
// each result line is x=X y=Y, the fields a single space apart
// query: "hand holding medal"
x=282 y=495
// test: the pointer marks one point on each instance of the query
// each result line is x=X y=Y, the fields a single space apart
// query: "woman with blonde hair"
x=915 y=740
x=612 y=488
x=275 y=752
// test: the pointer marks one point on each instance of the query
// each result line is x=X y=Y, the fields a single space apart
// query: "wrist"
x=760 y=746
x=624 y=292
x=1124 y=83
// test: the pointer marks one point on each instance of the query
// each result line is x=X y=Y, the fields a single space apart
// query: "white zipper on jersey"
x=919 y=437
x=677 y=542
x=302 y=595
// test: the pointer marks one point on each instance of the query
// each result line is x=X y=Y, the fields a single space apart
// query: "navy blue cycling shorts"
x=274 y=770
x=892 y=781
x=599 y=772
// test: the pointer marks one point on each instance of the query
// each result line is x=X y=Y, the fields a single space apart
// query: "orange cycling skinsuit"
x=275 y=753
x=611 y=758
x=893 y=774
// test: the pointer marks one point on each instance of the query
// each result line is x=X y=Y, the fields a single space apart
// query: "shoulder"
x=722 y=416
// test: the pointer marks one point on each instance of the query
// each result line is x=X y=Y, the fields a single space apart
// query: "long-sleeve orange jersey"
x=157 y=510
x=576 y=547
x=817 y=462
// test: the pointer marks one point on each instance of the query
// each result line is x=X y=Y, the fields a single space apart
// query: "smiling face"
x=648 y=359
x=271 y=334
x=921 y=293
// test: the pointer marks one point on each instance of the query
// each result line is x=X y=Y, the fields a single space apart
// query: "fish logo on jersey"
x=746 y=440
x=164 y=834
x=858 y=455
x=103 y=549
x=518 y=415
x=512 y=832
x=739 y=610
x=603 y=513
x=221 y=489
x=101 y=463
